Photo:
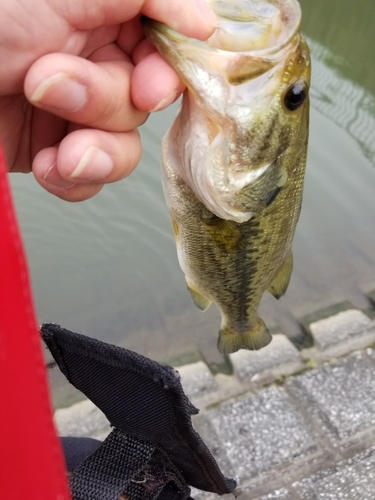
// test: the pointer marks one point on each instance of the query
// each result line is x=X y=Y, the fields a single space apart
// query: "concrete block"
x=82 y=419
x=343 y=333
x=340 y=395
x=197 y=380
x=258 y=432
x=245 y=493
x=352 y=479
x=278 y=358
x=281 y=494
x=212 y=438
x=248 y=494
x=205 y=495
x=370 y=351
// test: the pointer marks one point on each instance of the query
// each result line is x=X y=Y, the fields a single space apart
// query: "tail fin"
x=255 y=338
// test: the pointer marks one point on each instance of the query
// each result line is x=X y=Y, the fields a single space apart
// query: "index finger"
x=193 y=18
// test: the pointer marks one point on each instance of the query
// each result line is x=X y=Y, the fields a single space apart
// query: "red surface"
x=31 y=461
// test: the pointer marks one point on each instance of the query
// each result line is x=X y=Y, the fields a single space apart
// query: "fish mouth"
x=252 y=27
x=249 y=40
x=232 y=79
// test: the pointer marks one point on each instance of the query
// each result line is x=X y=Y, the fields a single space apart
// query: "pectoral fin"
x=280 y=284
x=199 y=300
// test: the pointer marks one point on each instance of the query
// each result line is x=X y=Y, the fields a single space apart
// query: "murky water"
x=108 y=268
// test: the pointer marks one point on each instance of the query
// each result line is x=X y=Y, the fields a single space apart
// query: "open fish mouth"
x=237 y=125
x=245 y=25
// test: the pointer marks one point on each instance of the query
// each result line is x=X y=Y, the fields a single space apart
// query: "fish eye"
x=295 y=96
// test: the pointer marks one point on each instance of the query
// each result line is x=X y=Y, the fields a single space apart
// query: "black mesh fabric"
x=143 y=400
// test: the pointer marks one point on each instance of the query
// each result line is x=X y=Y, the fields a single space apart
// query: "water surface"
x=107 y=267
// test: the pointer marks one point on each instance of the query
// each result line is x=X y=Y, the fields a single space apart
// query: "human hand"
x=77 y=77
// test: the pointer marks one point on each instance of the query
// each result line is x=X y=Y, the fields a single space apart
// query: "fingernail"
x=207 y=13
x=60 y=92
x=94 y=165
x=166 y=101
x=52 y=176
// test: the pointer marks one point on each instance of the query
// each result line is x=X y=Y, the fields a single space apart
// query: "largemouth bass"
x=234 y=159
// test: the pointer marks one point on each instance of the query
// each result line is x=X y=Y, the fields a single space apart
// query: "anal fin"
x=199 y=300
x=280 y=284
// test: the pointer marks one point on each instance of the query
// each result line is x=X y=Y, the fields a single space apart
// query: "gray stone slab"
x=197 y=380
x=204 y=495
x=281 y=494
x=352 y=479
x=344 y=332
x=82 y=419
x=259 y=432
x=279 y=358
x=341 y=395
x=213 y=440
x=243 y=494
x=370 y=351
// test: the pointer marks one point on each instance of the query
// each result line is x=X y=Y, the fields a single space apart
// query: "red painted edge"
x=32 y=465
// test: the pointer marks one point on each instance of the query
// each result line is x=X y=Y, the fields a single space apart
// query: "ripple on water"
x=108 y=266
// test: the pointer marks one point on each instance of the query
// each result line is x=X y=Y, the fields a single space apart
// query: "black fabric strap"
x=160 y=480
x=145 y=403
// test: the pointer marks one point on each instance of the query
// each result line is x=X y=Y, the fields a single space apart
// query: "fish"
x=233 y=161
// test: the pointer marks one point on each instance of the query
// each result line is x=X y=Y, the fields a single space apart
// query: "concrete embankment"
x=288 y=424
